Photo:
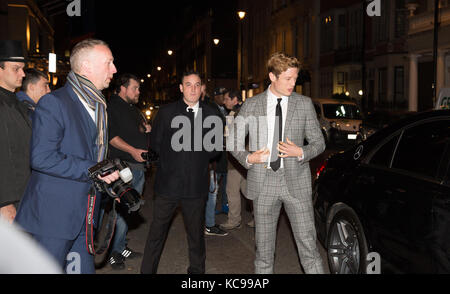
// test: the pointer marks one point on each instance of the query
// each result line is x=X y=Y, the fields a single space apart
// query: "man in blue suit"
x=69 y=137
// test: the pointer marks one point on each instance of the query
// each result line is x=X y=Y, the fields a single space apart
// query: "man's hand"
x=8 y=213
x=137 y=154
x=110 y=178
x=289 y=149
x=259 y=157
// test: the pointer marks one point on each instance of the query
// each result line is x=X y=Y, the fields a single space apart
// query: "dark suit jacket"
x=63 y=147
x=181 y=174
x=15 y=136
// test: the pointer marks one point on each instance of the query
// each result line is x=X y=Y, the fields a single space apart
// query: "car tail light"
x=322 y=168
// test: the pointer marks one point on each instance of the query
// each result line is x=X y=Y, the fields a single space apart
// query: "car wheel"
x=346 y=244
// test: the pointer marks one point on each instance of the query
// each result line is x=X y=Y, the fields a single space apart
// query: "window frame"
x=440 y=174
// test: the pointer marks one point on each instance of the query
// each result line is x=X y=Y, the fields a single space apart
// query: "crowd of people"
x=51 y=140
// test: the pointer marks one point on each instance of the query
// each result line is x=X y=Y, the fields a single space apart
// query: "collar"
x=272 y=98
x=195 y=107
x=22 y=96
x=116 y=98
x=6 y=92
x=7 y=96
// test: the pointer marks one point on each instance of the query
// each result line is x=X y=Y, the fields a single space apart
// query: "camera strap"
x=104 y=243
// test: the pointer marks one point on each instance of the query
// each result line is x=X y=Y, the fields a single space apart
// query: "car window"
x=336 y=111
x=383 y=156
x=421 y=148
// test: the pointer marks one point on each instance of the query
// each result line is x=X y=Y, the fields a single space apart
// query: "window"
x=355 y=28
x=306 y=38
x=342 y=31
x=401 y=18
x=382 y=87
x=399 y=87
x=382 y=23
x=347 y=111
x=421 y=148
x=383 y=156
x=327 y=34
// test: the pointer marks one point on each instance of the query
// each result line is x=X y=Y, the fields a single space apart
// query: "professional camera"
x=150 y=157
x=119 y=189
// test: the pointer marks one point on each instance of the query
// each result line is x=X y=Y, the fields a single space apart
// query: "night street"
x=93 y=92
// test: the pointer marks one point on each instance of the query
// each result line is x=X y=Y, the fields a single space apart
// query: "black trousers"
x=193 y=211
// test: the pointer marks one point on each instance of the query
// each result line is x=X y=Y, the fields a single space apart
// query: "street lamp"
x=242 y=15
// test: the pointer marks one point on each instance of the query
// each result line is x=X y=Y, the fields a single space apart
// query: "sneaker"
x=228 y=226
x=251 y=223
x=127 y=253
x=116 y=261
x=215 y=231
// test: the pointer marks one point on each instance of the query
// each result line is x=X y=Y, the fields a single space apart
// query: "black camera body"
x=121 y=188
x=150 y=157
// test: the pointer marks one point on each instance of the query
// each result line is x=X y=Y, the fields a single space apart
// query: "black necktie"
x=275 y=160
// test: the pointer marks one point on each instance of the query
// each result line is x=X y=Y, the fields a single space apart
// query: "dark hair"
x=32 y=76
x=190 y=73
x=2 y=64
x=124 y=80
x=234 y=93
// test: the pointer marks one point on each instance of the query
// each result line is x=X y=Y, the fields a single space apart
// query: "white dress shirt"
x=89 y=110
x=272 y=102
x=194 y=108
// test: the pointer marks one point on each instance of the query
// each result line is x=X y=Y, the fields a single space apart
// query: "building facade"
x=384 y=62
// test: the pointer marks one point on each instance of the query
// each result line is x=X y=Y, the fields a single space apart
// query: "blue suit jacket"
x=63 y=147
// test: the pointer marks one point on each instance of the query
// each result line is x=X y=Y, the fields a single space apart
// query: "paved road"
x=232 y=254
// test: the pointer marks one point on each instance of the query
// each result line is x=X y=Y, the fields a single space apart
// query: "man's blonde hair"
x=80 y=50
x=280 y=62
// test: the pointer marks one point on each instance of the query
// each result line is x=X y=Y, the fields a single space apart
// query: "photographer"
x=128 y=140
x=69 y=137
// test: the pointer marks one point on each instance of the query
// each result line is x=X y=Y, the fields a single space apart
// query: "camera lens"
x=128 y=196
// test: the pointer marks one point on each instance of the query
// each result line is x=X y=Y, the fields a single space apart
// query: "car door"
x=413 y=184
x=440 y=235
x=378 y=212
x=399 y=194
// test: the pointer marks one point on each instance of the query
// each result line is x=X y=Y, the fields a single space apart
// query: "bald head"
x=93 y=60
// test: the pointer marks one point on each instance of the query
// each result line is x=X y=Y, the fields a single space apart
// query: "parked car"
x=389 y=195
x=340 y=120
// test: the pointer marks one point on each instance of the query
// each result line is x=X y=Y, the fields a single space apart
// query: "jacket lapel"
x=290 y=115
x=88 y=126
x=261 y=115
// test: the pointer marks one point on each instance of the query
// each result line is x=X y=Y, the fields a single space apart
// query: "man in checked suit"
x=279 y=173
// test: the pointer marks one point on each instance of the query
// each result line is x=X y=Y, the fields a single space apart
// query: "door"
x=425 y=86
x=399 y=192
x=413 y=186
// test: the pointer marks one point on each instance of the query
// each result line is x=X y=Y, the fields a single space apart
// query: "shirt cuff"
x=246 y=160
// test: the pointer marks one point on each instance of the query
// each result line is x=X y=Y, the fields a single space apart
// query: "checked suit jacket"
x=301 y=124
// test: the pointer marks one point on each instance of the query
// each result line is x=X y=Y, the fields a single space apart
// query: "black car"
x=389 y=195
